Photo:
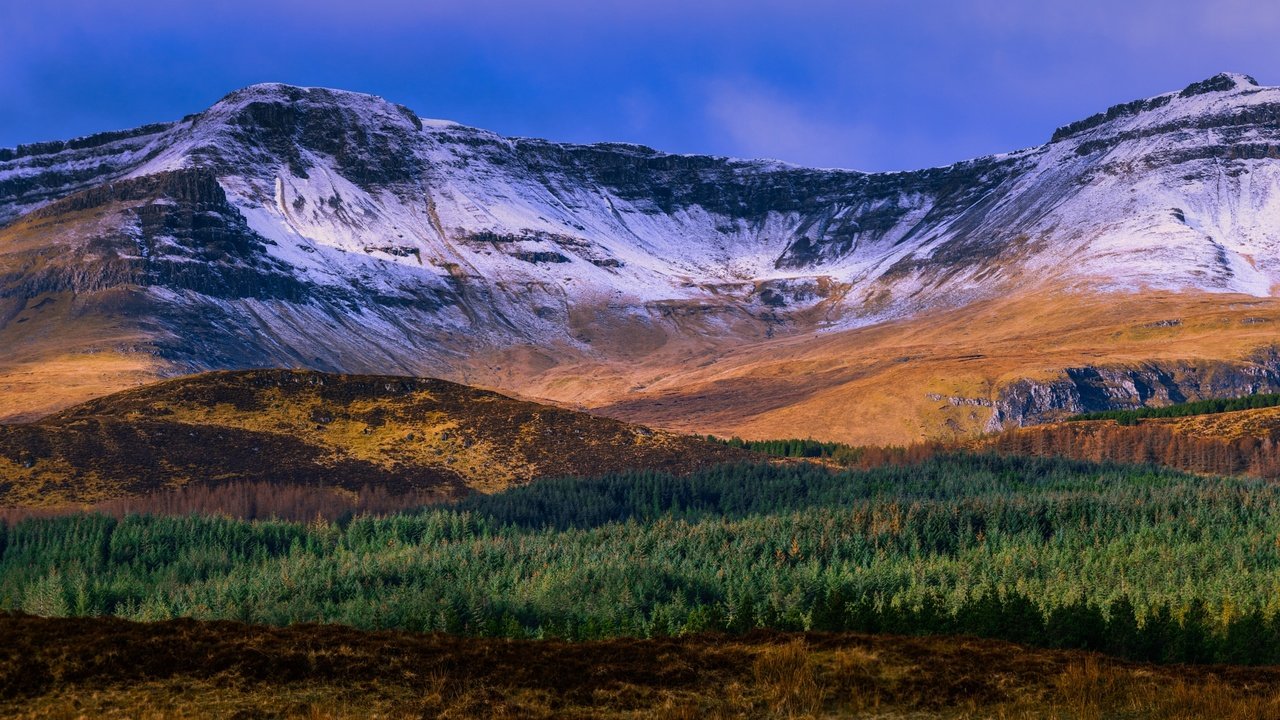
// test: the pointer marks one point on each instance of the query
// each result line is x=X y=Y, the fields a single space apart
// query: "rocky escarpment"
x=174 y=230
x=837 y=213
x=1123 y=387
x=38 y=173
x=1222 y=82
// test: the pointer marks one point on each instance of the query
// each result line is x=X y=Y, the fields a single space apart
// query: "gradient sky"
x=870 y=84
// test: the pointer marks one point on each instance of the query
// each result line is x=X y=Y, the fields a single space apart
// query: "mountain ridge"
x=1220 y=82
x=326 y=229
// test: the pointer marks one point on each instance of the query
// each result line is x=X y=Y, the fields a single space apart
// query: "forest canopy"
x=1139 y=561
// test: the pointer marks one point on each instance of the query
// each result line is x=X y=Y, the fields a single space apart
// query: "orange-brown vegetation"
x=286 y=500
x=881 y=384
x=109 y=668
x=244 y=501
x=1243 y=442
x=876 y=385
x=403 y=435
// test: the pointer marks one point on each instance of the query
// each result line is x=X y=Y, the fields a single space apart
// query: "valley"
x=313 y=407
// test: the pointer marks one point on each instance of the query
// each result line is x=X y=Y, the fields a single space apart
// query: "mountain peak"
x=1222 y=82
x=319 y=98
x=275 y=91
x=258 y=127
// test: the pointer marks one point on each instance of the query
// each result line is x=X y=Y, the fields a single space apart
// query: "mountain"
x=1128 y=260
x=434 y=439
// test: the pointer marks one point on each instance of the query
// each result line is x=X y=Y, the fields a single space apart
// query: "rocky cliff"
x=1118 y=387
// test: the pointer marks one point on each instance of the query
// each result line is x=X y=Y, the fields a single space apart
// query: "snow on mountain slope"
x=335 y=230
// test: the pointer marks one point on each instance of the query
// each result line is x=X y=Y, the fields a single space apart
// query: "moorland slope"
x=309 y=428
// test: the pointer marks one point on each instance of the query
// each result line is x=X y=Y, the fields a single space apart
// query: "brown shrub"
x=785 y=676
x=1153 y=443
x=247 y=501
x=110 y=668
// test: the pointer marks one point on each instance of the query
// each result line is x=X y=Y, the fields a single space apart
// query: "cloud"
x=871 y=84
x=758 y=122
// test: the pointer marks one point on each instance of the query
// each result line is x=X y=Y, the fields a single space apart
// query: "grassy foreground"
x=108 y=668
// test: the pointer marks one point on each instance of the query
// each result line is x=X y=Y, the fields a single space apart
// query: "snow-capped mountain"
x=334 y=230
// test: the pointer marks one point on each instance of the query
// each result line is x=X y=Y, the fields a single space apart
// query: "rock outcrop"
x=1093 y=389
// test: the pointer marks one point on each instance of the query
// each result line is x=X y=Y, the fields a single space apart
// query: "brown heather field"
x=109 y=668
x=428 y=439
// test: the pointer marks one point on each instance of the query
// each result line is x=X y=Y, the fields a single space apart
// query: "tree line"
x=1137 y=560
x=1145 y=444
x=861 y=456
x=1187 y=409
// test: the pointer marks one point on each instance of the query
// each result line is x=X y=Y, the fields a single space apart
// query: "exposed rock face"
x=318 y=228
x=1093 y=389
x=177 y=231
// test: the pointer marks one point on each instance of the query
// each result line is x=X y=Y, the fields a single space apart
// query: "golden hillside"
x=931 y=377
x=314 y=428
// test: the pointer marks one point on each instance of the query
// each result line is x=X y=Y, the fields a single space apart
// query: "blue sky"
x=866 y=84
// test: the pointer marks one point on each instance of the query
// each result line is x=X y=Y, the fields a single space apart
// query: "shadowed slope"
x=307 y=427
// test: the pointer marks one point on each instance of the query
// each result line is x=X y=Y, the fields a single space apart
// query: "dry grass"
x=184 y=669
x=1090 y=690
x=29 y=390
x=732 y=374
x=784 y=675
x=403 y=434
x=1260 y=423
x=878 y=385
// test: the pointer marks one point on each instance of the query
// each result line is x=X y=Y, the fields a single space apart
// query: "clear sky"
x=866 y=84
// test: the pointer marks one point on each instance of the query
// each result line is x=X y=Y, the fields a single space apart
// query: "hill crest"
x=301 y=427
